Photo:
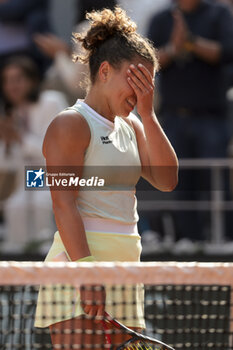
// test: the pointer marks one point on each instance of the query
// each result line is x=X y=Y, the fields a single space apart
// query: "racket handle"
x=111 y=320
x=107 y=336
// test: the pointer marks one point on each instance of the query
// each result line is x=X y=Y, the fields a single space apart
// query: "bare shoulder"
x=68 y=130
x=68 y=121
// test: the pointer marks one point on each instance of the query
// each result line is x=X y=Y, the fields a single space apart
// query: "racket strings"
x=141 y=345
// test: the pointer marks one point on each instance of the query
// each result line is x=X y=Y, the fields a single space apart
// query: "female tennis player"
x=101 y=130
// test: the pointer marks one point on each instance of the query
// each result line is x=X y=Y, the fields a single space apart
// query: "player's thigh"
x=79 y=332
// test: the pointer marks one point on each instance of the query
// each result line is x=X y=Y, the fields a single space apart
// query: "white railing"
x=217 y=204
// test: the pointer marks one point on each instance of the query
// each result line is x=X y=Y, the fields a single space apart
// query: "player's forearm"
x=71 y=229
x=162 y=157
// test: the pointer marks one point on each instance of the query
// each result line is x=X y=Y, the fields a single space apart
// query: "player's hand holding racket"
x=92 y=296
x=136 y=340
x=93 y=300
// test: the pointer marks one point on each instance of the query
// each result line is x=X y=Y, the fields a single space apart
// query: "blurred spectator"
x=194 y=40
x=84 y=6
x=64 y=72
x=229 y=69
x=25 y=116
x=142 y=11
x=19 y=21
x=228 y=3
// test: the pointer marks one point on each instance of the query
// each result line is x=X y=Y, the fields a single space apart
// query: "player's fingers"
x=87 y=309
x=93 y=311
x=139 y=74
x=136 y=80
x=99 y=314
x=100 y=311
x=133 y=86
x=147 y=74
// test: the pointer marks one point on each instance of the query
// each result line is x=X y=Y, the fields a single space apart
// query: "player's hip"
x=104 y=246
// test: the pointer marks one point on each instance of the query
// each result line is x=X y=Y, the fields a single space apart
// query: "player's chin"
x=125 y=113
x=125 y=110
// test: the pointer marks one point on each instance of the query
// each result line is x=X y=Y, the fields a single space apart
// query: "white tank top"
x=112 y=155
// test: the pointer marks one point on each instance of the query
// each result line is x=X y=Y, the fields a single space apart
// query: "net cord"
x=34 y=273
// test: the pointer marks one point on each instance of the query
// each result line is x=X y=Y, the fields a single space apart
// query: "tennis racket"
x=137 y=340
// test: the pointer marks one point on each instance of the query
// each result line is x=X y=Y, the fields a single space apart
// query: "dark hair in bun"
x=112 y=37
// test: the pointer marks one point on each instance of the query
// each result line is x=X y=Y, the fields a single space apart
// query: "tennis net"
x=185 y=305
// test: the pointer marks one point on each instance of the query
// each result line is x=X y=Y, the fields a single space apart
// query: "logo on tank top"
x=105 y=140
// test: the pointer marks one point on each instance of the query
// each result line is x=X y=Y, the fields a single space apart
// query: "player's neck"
x=99 y=103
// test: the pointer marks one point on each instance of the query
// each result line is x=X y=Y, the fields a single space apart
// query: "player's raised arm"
x=158 y=158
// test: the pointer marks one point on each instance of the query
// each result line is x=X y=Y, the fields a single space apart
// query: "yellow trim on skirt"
x=125 y=304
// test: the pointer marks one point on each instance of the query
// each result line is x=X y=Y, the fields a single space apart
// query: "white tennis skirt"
x=125 y=303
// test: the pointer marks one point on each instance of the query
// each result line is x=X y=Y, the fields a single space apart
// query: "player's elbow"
x=172 y=183
x=63 y=201
x=169 y=187
x=168 y=181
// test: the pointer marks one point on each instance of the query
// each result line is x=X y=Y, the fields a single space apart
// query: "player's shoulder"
x=68 y=130
x=69 y=120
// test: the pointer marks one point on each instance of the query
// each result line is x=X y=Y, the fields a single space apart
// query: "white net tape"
x=14 y=273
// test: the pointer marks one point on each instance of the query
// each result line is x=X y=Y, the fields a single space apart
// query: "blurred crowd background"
x=193 y=101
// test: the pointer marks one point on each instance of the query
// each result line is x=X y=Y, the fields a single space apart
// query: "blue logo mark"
x=35 y=178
